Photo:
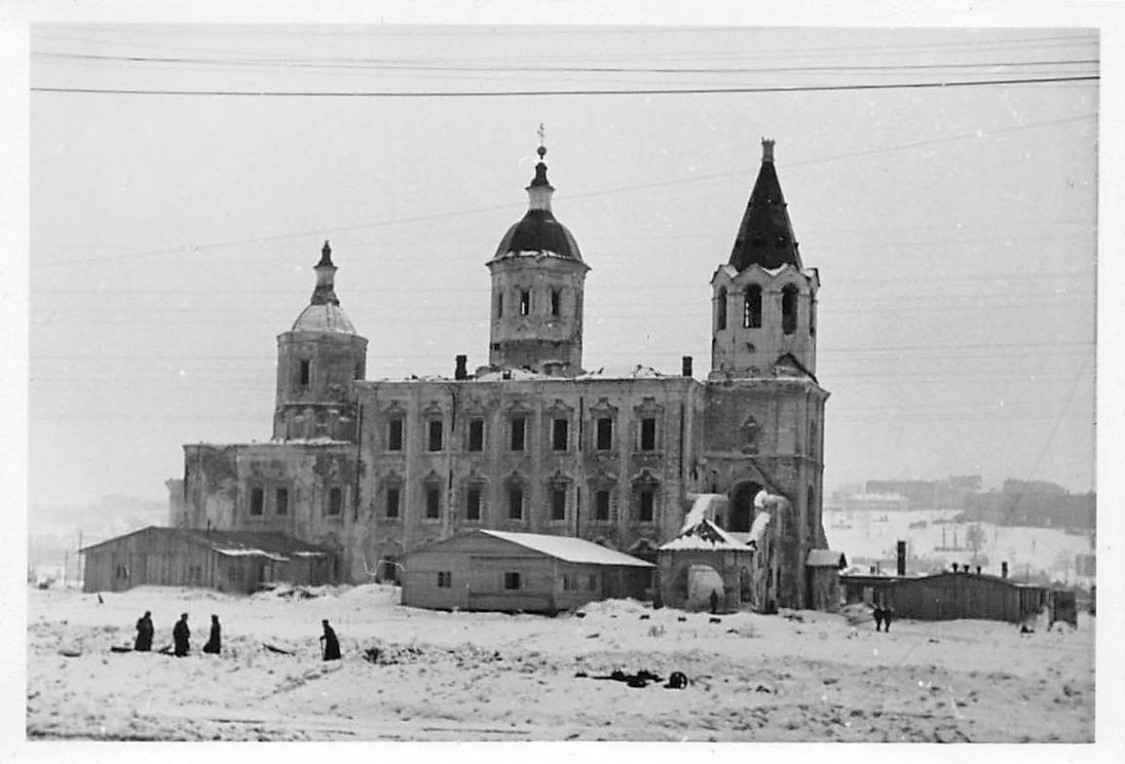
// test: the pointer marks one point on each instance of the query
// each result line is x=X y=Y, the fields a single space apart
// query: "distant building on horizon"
x=532 y=442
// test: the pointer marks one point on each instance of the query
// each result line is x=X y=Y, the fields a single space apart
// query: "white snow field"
x=800 y=676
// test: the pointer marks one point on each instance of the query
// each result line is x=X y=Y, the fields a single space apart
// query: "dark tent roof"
x=765 y=236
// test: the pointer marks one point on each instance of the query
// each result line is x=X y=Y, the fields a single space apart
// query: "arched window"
x=556 y=302
x=525 y=302
x=752 y=308
x=789 y=309
x=721 y=310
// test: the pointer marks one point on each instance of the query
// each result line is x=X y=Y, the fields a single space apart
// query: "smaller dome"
x=538 y=231
x=325 y=317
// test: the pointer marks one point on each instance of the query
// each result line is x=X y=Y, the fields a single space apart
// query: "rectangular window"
x=472 y=504
x=393 y=497
x=512 y=581
x=395 y=432
x=515 y=504
x=601 y=506
x=304 y=374
x=232 y=573
x=281 y=501
x=519 y=430
x=335 y=502
x=359 y=371
x=257 y=499
x=592 y=583
x=648 y=501
x=433 y=436
x=604 y=434
x=433 y=502
x=560 y=434
x=499 y=305
x=558 y=503
x=525 y=302
x=476 y=434
x=648 y=434
x=444 y=579
x=556 y=302
x=570 y=582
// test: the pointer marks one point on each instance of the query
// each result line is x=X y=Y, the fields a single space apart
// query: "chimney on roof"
x=954 y=567
x=767 y=150
x=901 y=557
x=686 y=367
x=1004 y=569
x=462 y=371
x=978 y=570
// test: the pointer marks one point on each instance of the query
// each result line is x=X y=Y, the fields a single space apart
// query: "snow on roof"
x=703 y=507
x=637 y=371
x=825 y=558
x=570 y=549
x=758 y=528
x=323 y=318
x=515 y=373
x=705 y=535
x=251 y=553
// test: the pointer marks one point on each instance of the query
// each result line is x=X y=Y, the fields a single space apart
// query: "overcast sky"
x=173 y=236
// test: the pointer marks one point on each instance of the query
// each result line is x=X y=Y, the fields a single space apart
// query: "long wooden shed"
x=235 y=561
x=948 y=595
x=530 y=572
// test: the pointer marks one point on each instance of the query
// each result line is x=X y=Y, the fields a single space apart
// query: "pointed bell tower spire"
x=765 y=236
x=325 y=291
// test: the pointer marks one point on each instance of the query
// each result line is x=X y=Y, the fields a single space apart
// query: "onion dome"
x=538 y=232
x=765 y=236
x=324 y=313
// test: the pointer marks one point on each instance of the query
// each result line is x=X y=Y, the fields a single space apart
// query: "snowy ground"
x=474 y=676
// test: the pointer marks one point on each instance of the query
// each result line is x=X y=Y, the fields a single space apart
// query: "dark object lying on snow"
x=120 y=649
x=70 y=653
x=645 y=616
x=677 y=681
x=640 y=679
x=274 y=649
x=713 y=619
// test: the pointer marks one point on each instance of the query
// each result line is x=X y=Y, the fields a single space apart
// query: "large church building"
x=532 y=442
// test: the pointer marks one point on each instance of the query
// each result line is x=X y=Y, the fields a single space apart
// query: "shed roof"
x=826 y=558
x=272 y=544
x=569 y=549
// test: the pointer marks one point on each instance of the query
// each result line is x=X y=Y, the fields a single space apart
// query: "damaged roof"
x=706 y=535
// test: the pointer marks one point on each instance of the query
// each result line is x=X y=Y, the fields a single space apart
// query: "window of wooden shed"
x=444 y=579
x=570 y=582
x=512 y=581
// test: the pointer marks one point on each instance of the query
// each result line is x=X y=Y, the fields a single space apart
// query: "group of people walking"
x=181 y=637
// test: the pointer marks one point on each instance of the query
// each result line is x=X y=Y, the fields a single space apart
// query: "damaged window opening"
x=515 y=503
x=257 y=499
x=335 y=502
x=721 y=310
x=393 y=495
x=305 y=374
x=525 y=302
x=512 y=581
x=281 y=501
x=752 y=308
x=395 y=431
x=604 y=440
x=648 y=501
x=556 y=302
x=433 y=442
x=433 y=502
x=601 y=506
x=560 y=432
x=444 y=579
x=648 y=434
x=789 y=309
x=558 y=503
x=476 y=434
x=472 y=504
x=519 y=426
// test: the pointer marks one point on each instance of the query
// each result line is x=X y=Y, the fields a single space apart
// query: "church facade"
x=531 y=442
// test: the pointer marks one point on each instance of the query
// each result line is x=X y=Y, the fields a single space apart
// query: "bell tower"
x=538 y=278
x=317 y=361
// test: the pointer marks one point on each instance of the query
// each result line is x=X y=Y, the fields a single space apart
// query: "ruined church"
x=532 y=442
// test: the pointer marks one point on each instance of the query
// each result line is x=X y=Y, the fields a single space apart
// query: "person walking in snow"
x=714 y=602
x=878 y=618
x=213 y=644
x=331 y=647
x=145 y=631
x=888 y=614
x=180 y=636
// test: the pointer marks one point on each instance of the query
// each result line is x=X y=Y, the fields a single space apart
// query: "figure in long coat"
x=331 y=647
x=214 y=643
x=180 y=636
x=145 y=631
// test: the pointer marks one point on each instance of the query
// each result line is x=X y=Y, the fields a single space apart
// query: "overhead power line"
x=588 y=92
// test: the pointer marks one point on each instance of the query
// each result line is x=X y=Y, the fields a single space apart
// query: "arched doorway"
x=695 y=582
x=741 y=514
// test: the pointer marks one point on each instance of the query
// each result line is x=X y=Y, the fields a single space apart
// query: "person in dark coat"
x=145 y=631
x=714 y=602
x=180 y=636
x=879 y=613
x=888 y=614
x=331 y=646
x=213 y=644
